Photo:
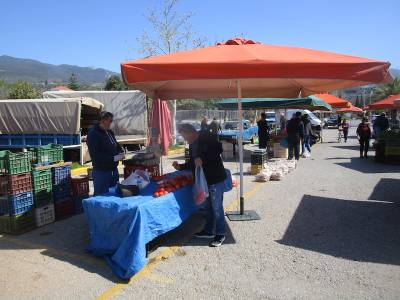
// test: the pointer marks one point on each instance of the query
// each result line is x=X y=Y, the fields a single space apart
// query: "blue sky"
x=103 y=33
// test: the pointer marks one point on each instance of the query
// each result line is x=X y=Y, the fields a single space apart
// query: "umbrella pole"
x=243 y=215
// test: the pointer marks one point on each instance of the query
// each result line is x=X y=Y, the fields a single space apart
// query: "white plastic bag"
x=139 y=177
x=200 y=187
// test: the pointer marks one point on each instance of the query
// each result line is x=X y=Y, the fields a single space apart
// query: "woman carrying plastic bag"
x=206 y=164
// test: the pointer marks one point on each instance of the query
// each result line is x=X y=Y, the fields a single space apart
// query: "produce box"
x=41 y=180
x=80 y=186
x=47 y=154
x=14 y=163
x=16 y=204
x=17 y=224
x=44 y=215
x=42 y=198
x=64 y=209
x=15 y=184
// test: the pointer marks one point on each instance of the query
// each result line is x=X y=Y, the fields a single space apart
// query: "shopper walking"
x=364 y=136
x=345 y=127
x=295 y=133
x=308 y=132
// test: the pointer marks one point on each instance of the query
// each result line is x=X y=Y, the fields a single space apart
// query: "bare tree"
x=169 y=31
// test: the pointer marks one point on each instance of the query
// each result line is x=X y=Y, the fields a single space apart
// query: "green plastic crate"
x=42 y=180
x=47 y=154
x=17 y=224
x=14 y=163
x=42 y=198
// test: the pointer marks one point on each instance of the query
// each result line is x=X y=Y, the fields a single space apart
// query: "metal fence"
x=198 y=115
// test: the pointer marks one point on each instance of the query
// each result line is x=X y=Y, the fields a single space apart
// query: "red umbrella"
x=352 y=108
x=245 y=68
x=160 y=133
x=333 y=101
x=387 y=103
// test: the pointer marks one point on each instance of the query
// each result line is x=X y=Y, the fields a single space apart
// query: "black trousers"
x=364 y=146
x=294 y=146
x=345 y=134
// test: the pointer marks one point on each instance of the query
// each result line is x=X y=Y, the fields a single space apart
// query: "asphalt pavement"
x=328 y=230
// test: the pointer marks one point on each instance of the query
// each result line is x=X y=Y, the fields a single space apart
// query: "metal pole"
x=174 y=122
x=240 y=142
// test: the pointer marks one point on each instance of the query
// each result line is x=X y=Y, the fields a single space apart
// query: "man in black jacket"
x=105 y=153
x=205 y=151
x=295 y=133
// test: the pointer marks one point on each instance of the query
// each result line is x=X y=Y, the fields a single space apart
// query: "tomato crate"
x=14 y=163
x=61 y=175
x=15 y=184
x=62 y=191
x=17 y=224
x=41 y=180
x=42 y=198
x=153 y=170
x=16 y=204
x=80 y=186
x=64 y=209
x=78 y=207
x=44 y=215
x=47 y=154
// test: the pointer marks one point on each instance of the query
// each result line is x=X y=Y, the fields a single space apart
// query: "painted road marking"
x=165 y=254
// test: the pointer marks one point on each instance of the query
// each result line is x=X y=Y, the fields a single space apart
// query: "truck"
x=66 y=117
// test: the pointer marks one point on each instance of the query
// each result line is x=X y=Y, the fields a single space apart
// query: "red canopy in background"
x=333 y=101
x=160 y=131
x=263 y=71
x=387 y=103
x=352 y=108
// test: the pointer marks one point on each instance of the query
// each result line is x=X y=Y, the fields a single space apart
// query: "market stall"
x=120 y=228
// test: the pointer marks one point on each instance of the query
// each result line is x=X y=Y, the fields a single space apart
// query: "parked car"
x=332 y=122
x=230 y=131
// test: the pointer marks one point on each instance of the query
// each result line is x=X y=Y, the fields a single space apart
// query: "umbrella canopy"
x=161 y=125
x=264 y=71
x=275 y=103
x=352 y=108
x=332 y=100
x=245 y=68
x=387 y=103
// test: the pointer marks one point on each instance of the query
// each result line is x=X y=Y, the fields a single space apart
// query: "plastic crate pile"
x=36 y=189
x=258 y=159
x=16 y=198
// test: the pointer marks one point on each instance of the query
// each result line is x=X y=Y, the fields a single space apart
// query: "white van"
x=313 y=118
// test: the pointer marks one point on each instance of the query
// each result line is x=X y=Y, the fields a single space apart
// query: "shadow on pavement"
x=64 y=240
x=365 y=231
x=368 y=166
x=183 y=235
x=349 y=147
x=387 y=189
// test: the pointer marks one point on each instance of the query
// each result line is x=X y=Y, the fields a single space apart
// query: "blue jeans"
x=103 y=180
x=306 y=143
x=215 y=210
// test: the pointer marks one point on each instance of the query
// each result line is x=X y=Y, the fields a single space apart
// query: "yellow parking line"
x=163 y=255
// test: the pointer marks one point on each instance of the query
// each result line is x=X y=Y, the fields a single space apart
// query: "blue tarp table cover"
x=120 y=228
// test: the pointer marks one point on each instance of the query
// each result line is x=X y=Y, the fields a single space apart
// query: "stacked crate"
x=80 y=191
x=258 y=159
x=62 y=191
x=16 y=201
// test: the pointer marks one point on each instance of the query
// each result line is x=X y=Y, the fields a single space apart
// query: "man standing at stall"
x=105 y=153
x=263 y=131
x=295 y=133
x=205 y=151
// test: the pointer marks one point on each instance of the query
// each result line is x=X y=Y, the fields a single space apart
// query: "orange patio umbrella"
x=244 y=68
x=333 y=101
x=387 y=103
x=352 y=109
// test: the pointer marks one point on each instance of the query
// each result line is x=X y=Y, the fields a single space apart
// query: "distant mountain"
x=13 y=69
x=395 y=72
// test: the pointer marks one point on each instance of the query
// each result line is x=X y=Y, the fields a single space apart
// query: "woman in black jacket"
x=364 y=136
